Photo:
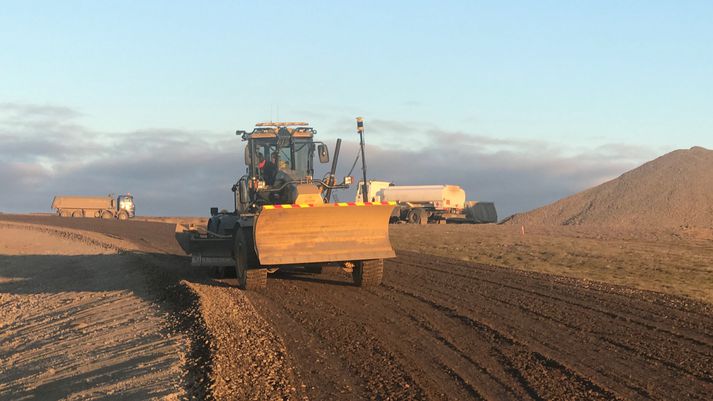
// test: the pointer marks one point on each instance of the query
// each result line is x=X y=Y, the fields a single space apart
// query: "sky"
x=520 y=103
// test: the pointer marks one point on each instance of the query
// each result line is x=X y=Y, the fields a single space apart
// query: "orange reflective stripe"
x=339 y=204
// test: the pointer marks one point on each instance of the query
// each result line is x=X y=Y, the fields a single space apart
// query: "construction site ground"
x=94 y=308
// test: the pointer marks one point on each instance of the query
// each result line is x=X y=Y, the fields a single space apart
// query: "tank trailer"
x=423 y=204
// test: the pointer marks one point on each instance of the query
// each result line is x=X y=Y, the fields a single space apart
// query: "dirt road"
x=448 y=329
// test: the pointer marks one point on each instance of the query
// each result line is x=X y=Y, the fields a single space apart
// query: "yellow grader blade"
x=290 y=234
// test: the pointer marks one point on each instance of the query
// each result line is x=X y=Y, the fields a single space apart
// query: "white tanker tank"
x=418 y=204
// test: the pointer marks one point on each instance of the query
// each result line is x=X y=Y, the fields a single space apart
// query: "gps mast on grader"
x=281 y=219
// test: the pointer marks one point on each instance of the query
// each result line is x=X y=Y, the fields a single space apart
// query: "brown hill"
x=674 y=190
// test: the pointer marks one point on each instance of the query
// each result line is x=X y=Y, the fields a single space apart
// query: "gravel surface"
x=77 y=320
x=441 y=328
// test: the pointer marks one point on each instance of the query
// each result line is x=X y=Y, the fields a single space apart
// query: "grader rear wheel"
x=249 y=276
x=368 y=273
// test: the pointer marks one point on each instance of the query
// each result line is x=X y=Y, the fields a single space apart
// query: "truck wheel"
x=418 y=216
x=249 y=276
x=78 y=213
x=368 y=273
x=123 y=215
x=422 y=216
x=64 y=213
x=106 y=215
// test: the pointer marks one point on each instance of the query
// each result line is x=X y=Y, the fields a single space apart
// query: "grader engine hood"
x=320 y=233
x=302 y=194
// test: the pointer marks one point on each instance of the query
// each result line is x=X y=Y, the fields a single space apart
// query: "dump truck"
x=282 y=218
x=423 y=204
x=104 y=207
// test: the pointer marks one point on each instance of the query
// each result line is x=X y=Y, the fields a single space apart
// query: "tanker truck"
x=104 y=207
x=423 y=204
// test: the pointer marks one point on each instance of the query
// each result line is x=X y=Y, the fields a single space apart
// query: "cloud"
x=518 y=175
x=25 y=112
x=46 y=151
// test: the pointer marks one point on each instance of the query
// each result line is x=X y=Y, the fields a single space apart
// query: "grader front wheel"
x=249 y=277
x=368 y=273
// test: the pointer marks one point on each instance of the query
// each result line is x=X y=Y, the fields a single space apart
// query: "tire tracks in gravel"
x=456 y=330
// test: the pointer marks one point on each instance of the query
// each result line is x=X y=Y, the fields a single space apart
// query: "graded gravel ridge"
x=441 y=328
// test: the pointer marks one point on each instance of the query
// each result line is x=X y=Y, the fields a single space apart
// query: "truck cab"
x=126 y=203
x=374 y=190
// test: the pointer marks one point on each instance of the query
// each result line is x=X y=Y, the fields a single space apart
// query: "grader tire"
x=248 y=273
x=368 y=273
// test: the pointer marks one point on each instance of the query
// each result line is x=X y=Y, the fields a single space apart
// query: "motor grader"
x=282 y=219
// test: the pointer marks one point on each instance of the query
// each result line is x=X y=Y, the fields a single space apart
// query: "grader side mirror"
x=247 y=155
x=243 y=187
x=323 y=153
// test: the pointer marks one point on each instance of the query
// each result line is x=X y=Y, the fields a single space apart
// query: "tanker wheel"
x=248 y=277
x=78 y=213
x=418 y=216
x=123 y=215
x=368 y=273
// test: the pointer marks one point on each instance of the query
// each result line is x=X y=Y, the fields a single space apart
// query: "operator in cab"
x=269 y=169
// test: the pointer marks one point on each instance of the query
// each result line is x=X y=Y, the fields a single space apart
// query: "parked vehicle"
x=423 y=204
x=103 y=207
